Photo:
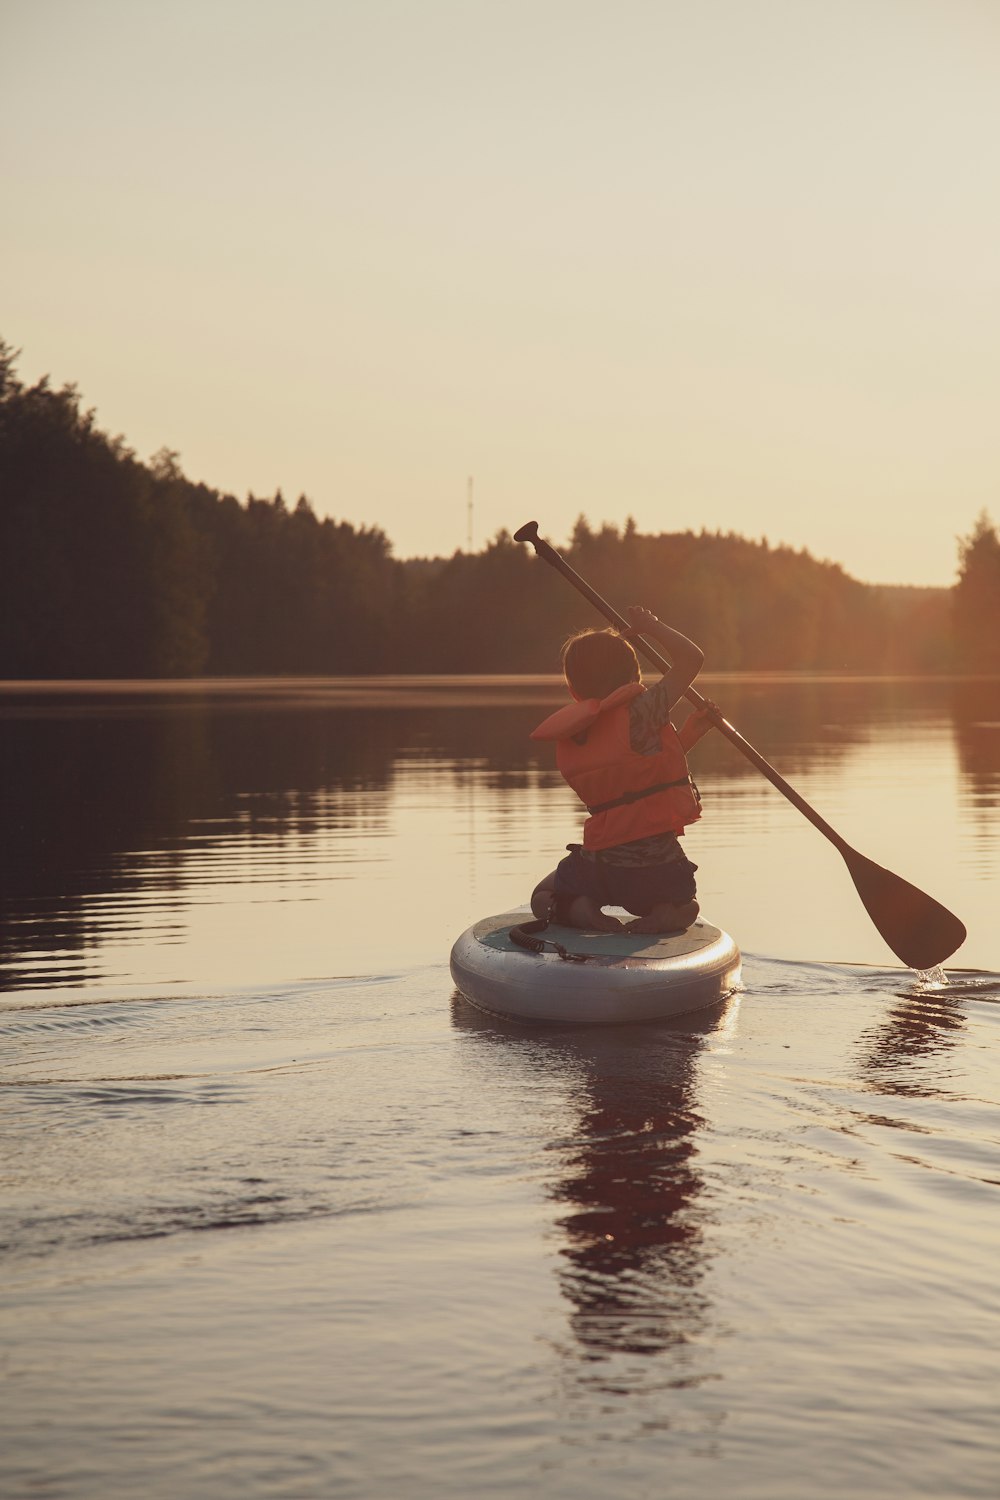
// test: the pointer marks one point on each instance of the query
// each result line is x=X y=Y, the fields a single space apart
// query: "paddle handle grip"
x=529 y=533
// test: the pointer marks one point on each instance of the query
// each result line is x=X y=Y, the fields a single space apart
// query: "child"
x=616 y=747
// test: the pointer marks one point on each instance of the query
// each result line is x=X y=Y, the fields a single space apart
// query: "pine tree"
x=976 y=606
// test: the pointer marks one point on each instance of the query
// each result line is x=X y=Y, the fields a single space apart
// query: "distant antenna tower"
x=468 y=512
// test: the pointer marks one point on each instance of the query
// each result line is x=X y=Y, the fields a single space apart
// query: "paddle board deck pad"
x=623 y=977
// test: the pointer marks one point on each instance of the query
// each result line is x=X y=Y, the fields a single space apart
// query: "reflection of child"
x=619 y=752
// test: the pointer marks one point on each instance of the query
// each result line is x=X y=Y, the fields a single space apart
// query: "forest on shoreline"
x=111 y=567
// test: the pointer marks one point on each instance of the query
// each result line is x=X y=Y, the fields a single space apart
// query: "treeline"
x=114 y=568
x=110 y=567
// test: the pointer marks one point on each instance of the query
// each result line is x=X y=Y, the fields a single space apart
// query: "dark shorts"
x=636 y=887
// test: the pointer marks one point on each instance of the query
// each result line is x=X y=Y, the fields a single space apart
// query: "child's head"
x=598 y=661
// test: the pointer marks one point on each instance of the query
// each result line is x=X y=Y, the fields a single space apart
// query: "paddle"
x=920 y=931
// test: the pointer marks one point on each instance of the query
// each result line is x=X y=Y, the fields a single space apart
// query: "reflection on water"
x=626 y=1186
x=976 y=716
x=927 y=1021
x=632 y=1255
x=123 y=804
x=122 y=798
x=919 y=1027
x=306 y=1233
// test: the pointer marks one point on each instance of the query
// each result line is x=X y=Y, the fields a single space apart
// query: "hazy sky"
x=720 y=263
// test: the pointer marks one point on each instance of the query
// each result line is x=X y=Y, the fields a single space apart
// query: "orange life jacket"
x=629 y=796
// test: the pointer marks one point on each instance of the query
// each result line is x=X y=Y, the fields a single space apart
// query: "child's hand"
x=706 y=716
x=640 y=618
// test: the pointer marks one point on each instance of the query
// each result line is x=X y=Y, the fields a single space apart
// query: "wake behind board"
x=624 y=977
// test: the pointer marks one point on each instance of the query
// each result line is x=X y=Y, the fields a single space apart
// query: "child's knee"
x=543 y=898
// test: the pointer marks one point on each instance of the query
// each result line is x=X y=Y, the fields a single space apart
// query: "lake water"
x=285 y=1216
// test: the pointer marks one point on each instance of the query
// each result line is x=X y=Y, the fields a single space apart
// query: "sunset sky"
x=731 y=264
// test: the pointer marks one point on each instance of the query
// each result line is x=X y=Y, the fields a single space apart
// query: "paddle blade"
x=920 y=931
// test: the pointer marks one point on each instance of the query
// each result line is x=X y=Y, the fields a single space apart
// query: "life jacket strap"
x=629 y=797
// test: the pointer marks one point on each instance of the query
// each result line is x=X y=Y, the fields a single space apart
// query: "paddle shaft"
x=529 y=533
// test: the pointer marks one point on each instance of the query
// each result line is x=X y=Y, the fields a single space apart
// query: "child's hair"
x=598 y=661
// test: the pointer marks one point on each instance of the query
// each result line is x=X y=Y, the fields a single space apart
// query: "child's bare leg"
x=586 y=913
x=666 y=917
x=583 y=912
x=543 y=897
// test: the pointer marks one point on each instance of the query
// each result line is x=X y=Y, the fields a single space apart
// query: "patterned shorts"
x=636 y=887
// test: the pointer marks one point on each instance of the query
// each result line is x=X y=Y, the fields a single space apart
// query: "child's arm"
x=685 y=657
x=698 y=723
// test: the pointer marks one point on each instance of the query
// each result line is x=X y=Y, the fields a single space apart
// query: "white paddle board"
x=619 y=977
